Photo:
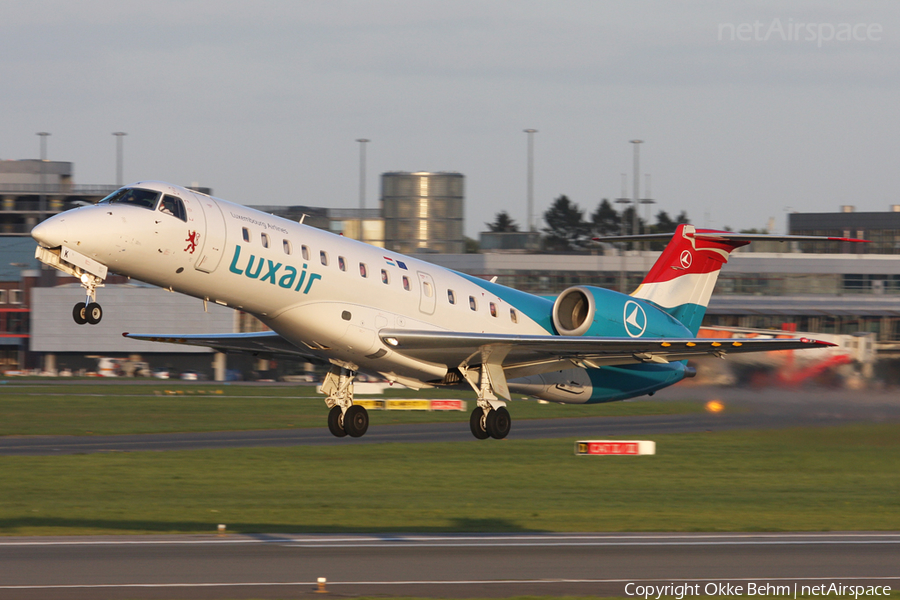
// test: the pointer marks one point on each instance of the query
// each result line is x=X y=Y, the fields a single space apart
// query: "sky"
x=747 y=111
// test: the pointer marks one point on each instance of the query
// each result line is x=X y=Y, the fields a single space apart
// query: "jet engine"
x=593 y=311
x=573 y=311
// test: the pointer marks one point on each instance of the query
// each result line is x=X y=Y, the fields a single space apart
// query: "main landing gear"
x=490 y=419
x=345 y=417
x=89 y=311
x=490 y=423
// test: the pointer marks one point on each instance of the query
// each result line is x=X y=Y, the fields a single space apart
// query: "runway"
x=753 y=410
x=286 y=566
x=425 y=565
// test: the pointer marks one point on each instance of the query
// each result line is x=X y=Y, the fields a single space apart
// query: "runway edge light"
x=614 y=447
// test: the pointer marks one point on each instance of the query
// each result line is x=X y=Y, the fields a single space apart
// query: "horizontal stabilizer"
x=713 y=235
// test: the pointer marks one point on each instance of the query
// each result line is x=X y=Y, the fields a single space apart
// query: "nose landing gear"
x=89 y=311
x=88 y=270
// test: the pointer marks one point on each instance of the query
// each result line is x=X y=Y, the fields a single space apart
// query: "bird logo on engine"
x=635 y=319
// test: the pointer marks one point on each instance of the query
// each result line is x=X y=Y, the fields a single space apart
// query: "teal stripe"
x=630 y=381
x=534 y=307
x=690 y=315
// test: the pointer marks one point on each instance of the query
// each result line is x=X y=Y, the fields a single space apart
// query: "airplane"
x=356 y=307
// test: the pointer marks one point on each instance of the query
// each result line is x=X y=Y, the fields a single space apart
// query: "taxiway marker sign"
x=615 y=447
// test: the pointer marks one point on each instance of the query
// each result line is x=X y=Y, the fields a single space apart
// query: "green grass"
x=811 y=479
x=112 y=408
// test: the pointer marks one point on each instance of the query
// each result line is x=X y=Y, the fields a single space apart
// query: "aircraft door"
x=213 y=242
x=428 y=295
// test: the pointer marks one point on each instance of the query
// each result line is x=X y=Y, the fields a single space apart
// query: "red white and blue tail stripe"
x=683 y=277
x=682 y=280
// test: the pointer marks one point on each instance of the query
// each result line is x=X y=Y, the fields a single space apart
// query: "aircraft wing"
x=533 y=354
x=263 y=342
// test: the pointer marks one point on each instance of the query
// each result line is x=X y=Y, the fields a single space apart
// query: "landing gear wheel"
x=335 y=422
x=79 y=313
x=93 y=313
x=499 y=423
x=356 y=421
x=476 y=424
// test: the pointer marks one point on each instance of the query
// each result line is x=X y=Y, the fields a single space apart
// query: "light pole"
x=119 y=135
x=647 y=202
x=637 y=184
x=42 y=202
x=530 y=133
x=624 y=201
x=362 y=173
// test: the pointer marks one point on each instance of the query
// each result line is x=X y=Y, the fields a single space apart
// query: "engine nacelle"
x=593 y=311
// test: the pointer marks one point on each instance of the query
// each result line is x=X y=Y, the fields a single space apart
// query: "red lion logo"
x=192 y=242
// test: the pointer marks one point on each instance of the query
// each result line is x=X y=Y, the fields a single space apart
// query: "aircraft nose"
x=52 y=232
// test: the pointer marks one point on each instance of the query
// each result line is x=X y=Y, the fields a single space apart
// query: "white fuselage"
x=322 y=292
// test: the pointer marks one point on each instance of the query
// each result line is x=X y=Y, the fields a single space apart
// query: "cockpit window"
x=173 y=206
x=136 y=196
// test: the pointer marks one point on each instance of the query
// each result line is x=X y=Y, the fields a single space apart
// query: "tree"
x=664 y=223
x=566 y=228
x=628 y=219
x=503 y=223
x=606 y=220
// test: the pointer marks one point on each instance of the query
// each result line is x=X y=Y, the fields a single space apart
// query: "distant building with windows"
x=423 y=212
x=32 y=190
x=881 y=228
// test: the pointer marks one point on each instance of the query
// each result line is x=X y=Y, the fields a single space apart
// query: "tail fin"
x=682 y=279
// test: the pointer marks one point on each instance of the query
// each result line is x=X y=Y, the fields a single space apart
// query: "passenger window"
x=171 y=205
x=323 y=257
x=264 y=238
x=451 y=296
x=513 y=316
x=472 y=304
x=287 y=246
x=406 y=283
x=304 y=252
x=245 y=233
x=362 y=270
x=426 y=288
x=342 y=264
x=493 y=309
x=385 y=278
